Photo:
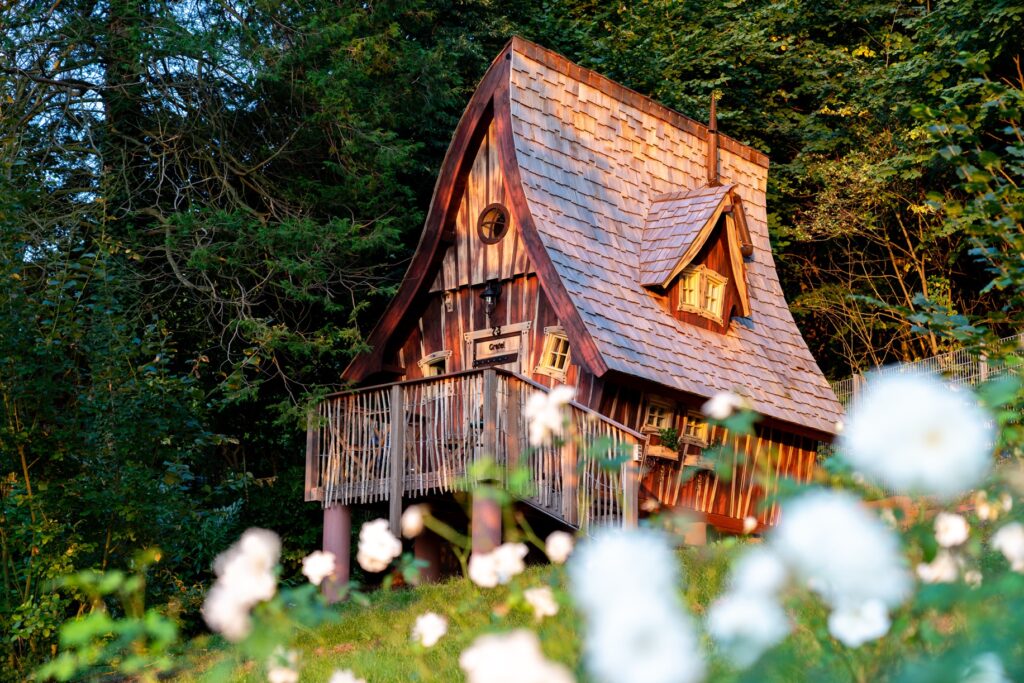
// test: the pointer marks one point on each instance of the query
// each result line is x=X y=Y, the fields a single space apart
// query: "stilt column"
x=486 y=521
x=337 y=540
x=427 y=547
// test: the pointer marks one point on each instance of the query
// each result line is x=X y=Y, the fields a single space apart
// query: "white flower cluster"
x=513 y=657
x=624 y=583
x=722 y=405
x=345 y=676
x=377 y=546
x=917 y=434
x=245 y=577
x=748 y=619
x=487 y=570
x=412 y=521
x=546 y=413
x=842 y=551
x=318 y=565
x=283 y=666
x=558 y=546
x=542 y=600
x=429 y=628
x=1009 y=540
x=951 y=531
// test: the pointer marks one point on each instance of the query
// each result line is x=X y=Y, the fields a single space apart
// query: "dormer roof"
x=676 y=227
x=592 y=171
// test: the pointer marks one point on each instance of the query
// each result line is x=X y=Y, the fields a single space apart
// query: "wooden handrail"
x=400 y=439
x=479 y=371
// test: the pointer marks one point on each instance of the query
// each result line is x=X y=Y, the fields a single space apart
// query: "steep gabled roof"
x=585 y=161
x=677 y=225
x=593 y=156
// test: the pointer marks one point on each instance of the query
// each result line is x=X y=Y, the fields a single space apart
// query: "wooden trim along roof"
x=585 y=160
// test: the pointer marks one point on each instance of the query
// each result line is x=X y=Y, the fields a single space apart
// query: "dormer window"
x=554 y=360
x=702 y=291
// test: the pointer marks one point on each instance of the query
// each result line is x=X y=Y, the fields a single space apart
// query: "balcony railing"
x=419 y=437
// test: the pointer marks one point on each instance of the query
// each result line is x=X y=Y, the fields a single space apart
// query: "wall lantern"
x=490 y=296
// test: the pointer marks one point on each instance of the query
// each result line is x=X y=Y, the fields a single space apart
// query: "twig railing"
x=430 y=431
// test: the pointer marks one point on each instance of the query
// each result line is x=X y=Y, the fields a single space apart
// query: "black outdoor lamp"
x=490 y=296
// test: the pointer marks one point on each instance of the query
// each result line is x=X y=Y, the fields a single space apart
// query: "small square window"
x=658 y=416
x=702 y=291
x=435 y=364
x=689 y=289
x=554 y=361
x=695 y=429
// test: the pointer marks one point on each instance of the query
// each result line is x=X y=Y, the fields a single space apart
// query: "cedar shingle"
x=599 y=191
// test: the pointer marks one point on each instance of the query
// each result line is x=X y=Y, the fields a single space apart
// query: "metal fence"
x=960 y=367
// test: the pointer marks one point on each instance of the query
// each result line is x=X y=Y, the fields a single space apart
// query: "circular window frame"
x=503 y=210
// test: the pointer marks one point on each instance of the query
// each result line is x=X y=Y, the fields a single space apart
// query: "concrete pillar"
x=427 y=547
x=486 y=522
x=337 y=540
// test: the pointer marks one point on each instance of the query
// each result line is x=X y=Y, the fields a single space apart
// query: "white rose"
x=377 y=546
x=429 y=628
x=950 y=529
x=558 y=546
x=317 y=566
x=542 y=600
x=854 y=625
x=1009 y=540
x=412 y=521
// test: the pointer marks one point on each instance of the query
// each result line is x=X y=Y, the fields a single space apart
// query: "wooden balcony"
x=415 y=438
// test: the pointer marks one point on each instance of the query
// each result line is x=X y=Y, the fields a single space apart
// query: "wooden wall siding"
x=770 y=455
x=469 y=261
x=521 y=300
x=771 y=452
x=714 y=255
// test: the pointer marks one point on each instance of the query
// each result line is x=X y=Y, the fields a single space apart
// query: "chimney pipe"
x=712 y=160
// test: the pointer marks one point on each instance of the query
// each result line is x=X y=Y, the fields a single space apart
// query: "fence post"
x=486 y=520
x=397 y=454
x=570 y=477
x=631 y=490
x=490 y=435
x=313 y=483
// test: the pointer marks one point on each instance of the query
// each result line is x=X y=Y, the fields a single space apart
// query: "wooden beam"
x=397 y=483
x=490 y=433
x=441 y=214
x=313 y=491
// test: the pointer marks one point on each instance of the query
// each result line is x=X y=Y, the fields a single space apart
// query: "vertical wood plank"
x=398 y=424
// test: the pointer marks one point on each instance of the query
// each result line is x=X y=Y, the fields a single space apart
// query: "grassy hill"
x=373 y=639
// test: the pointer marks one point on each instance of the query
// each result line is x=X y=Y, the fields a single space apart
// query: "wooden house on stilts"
x=579 y=234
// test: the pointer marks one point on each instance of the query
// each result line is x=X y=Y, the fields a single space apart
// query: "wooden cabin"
x=581 y=234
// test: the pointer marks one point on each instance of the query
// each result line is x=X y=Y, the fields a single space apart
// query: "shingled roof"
x=673 y=225
x=594 y=157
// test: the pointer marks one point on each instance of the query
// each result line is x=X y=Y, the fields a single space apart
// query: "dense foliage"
x=204 y=205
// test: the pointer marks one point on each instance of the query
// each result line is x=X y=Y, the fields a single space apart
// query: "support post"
x=314 y=487
x=337 y=540
x=427 y=547
x=570 y=479
x=486 y=521
x=631 y=492
x=514 y=443
x=490 y=434
x=397 y=483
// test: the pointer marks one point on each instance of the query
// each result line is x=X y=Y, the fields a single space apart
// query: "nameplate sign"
x=496 y=350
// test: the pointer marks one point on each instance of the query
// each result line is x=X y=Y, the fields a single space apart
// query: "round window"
x=493 y=223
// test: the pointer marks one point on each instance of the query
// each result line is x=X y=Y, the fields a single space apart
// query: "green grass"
x=374 y=640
